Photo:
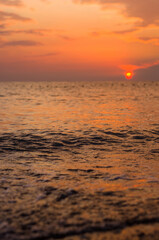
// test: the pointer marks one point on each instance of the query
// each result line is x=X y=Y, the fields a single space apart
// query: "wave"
x=50 y=141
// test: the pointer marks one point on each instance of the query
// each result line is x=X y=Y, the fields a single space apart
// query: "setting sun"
x=128 y=75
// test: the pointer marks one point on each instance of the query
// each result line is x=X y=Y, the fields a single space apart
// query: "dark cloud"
x=40 y=32
x=147 y=10
x=25 y=43
x=4 y=16
x=65 y=38
x=46 y=1
x=140 y=65
x=146 y=39
x=125 y=31
x=100 y=33
x=2 y=26
x=16 y=3
x=150 y=73
x=50 y=54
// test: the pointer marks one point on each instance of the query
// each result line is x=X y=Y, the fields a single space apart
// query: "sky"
x=79 y=39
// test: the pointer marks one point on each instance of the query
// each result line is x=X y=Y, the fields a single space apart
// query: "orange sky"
x=78 y=39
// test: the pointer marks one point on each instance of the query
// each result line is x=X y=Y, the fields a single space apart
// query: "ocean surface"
x=79 y=160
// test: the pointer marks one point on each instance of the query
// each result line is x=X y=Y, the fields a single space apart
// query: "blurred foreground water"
x=79 y=160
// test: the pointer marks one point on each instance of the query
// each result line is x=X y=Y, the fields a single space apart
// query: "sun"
x=128 y=75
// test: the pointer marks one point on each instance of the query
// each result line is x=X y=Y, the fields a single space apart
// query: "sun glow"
x=128 y=75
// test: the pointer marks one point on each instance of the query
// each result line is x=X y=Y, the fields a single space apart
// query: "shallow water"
x=79 y=160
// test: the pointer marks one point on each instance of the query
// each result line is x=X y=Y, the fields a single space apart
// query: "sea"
x=79 y=160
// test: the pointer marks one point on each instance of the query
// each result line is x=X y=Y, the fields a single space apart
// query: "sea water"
x=79 y=160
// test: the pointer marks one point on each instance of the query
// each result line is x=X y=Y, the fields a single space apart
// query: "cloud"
x=66 y=38
x=40 y=32
x=147 y=10
x=154 y=40
x=149 y=74
x=101 y=33
x=15 y=3
x=133 y=67
x=4 y=16
x=2 y=26
x=50 y=54
x=24 y=43
x=148 y=38
x=46 y=1
x=125 y=31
